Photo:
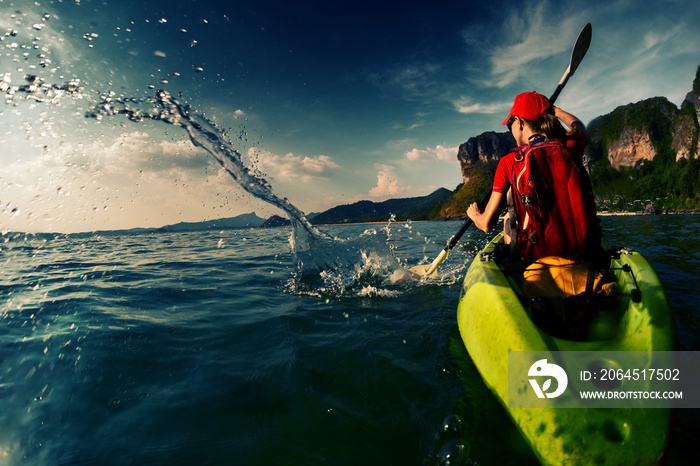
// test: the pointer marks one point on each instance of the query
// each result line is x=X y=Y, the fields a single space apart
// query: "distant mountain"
x=416 y=208
x=242 y=221
x=276 y=221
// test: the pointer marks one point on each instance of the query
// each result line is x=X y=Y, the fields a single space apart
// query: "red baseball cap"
x=529 y=105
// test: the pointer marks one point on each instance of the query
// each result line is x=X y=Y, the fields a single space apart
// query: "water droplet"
x=451 y=453
x=451 y=423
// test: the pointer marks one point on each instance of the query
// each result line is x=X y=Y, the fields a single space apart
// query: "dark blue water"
x=214 y=348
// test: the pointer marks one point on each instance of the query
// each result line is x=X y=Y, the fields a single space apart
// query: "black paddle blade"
x=581 y=47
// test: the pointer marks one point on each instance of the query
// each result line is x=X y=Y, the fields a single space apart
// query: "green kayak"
x=493 y=321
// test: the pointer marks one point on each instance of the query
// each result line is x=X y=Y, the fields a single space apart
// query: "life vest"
x=554 y=203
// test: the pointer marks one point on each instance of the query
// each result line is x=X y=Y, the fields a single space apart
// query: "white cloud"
x=129 y=180
x=126 y=155
x=531 y=39
x=467 y=105
x=387 y=182
x=131 y=153
x=439 y=152
x=293 y=167
x=527 y=37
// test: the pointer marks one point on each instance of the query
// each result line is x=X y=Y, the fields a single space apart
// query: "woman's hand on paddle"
x=473 y=211
x=486 y=220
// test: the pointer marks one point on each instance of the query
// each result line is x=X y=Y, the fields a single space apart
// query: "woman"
x=553 y=200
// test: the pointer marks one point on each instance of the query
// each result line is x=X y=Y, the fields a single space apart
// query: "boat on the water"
x=495 y=318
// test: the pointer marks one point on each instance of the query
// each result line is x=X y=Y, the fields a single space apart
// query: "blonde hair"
x=549 y=125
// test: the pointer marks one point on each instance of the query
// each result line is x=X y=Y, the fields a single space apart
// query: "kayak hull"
x=493 y=321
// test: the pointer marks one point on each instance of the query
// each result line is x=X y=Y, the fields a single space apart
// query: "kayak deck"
x=494 y=320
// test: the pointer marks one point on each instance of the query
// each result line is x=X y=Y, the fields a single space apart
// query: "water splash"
x=362 y=266
x=203 y=133
x=37 y=89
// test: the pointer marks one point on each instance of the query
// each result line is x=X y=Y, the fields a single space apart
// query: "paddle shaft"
x=580 y=48
x=455 y=239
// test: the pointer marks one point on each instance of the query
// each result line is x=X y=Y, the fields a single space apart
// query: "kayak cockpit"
x=591 y=315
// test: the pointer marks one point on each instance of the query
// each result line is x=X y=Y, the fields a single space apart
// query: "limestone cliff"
x=686 y=128
x=685 y=136
x=487 y=148
x=631 y=149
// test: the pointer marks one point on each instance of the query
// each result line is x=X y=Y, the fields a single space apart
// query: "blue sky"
x=333 y=101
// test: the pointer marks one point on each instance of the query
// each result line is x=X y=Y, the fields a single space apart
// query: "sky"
x=332 y=102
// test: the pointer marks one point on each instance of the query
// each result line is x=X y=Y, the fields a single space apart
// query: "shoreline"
x=462 y=219
x=668 y=212
x=385 y=222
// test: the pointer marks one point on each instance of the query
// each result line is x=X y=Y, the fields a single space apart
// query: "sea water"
x=205 y=348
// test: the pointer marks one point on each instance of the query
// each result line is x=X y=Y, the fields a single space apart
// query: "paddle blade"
x=422 y=271
x=580 y=48
x=430 y=271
